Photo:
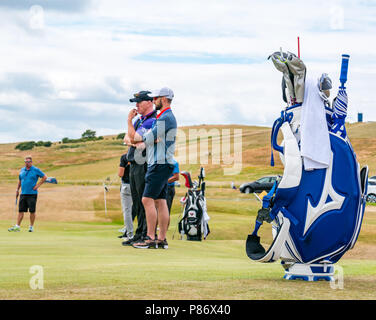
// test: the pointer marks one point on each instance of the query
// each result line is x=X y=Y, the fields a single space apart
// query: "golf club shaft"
x=105 y=202
x=257 y=197
x=15 y=207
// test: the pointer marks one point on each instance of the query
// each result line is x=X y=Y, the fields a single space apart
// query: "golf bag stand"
x=194 y=223
x=316 y=214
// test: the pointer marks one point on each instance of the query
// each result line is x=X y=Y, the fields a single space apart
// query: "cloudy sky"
x=70 y=65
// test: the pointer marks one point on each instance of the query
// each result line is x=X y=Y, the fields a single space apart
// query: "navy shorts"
x=156 y=179
x=27 y=202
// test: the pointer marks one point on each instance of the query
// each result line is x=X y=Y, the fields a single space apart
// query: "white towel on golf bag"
x=315 y=143
x=205 y=218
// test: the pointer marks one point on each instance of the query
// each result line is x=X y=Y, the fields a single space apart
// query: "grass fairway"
x=87 y=261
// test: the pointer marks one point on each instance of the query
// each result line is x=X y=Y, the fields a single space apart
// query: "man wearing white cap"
x=160 y=148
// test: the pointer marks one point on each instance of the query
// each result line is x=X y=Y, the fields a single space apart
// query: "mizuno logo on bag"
x=329 y=200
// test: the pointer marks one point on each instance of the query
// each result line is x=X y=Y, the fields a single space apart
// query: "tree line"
x=88 y=135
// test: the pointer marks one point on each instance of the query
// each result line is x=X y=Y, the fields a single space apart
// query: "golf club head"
x=188 y=180
x=202 y=174
x=253 y=247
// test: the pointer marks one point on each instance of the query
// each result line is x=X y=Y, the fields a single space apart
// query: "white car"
x=371 y=191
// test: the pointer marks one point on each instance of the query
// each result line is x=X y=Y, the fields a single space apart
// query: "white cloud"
x=94 y=56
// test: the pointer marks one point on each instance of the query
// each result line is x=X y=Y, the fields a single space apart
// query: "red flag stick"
x=298 y=48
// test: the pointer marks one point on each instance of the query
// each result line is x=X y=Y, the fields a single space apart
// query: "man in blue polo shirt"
x=28 y=182
x=160 y=148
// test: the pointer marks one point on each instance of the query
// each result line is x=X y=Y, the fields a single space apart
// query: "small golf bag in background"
x=194 y=224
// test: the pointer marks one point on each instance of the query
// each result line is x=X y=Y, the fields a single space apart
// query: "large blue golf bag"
x=316 y=211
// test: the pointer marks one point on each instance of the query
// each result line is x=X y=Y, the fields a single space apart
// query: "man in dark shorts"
x=137 y=157
x=160 y=148
x=28 y=182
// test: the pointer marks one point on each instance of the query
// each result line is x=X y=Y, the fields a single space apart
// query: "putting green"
x=87 y=261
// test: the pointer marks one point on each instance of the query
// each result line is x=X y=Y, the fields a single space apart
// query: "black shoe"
x=137 y=237
x=162 y=244
x=146 y=243
x=123 y=236
x=129 y=242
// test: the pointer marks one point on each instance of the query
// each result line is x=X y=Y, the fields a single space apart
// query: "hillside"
x=92 y=162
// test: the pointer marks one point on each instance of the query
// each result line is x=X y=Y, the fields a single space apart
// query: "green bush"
x=90 y=134
x=28 y=145
x=67 y=140
x=121 y=136
x=71 y=146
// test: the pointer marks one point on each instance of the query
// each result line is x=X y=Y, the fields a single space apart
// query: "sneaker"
x=31 y=229
x=122 y=230
x=128 y=242
x=123 y=236
x=14 y=229
x=146 y=243
x=162 y=244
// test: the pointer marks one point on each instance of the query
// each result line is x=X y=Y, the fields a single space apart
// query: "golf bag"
x=316 y=213
x=194 y=223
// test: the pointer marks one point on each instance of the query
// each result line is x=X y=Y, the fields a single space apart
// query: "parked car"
x=373 y=178
x=264 y=183
x=371 y=191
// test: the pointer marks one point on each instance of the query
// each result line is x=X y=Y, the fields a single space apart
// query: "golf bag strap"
x=275 y=249
x=285 y=117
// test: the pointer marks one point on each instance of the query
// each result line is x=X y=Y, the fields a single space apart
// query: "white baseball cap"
x=164 y=92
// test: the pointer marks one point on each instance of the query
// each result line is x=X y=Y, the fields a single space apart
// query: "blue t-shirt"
x=176 y=170
x=164 y=131
x=29 y=179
